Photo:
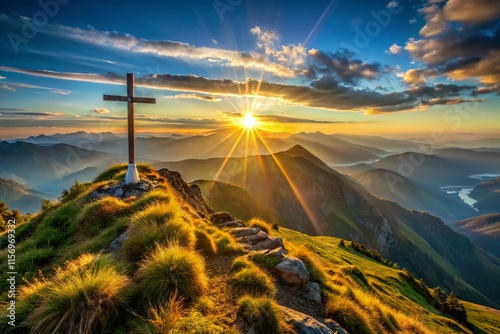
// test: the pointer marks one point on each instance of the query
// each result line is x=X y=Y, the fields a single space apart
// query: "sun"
x=249 y=121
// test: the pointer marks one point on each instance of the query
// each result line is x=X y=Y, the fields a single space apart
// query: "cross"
x=132 y=175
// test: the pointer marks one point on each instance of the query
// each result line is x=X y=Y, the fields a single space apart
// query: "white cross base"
x=132 y=176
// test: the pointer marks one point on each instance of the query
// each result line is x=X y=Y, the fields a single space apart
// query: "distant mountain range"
x=19 y=196
x=315 y=199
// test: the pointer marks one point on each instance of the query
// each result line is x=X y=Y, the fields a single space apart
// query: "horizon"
x=346 y=70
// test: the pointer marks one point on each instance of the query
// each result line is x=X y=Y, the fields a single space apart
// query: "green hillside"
x=317 y=200
x=151 y=258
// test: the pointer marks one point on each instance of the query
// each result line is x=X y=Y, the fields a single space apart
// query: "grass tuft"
x=96 y=216
x=170 y=270
x=241 y=263
x=84 y=297
x=143 y=238
x=264 y=226
x=163 y=318
x=261 y=314
x=205 y=242
x=252 y=281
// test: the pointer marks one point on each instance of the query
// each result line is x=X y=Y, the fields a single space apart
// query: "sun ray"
x=226 y=159
x=294 y=188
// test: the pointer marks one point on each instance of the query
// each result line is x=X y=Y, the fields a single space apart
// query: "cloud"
x=413 y=21
x=436 y=23
x=279 y=118
x=462 y=43
x=342 y=66
x=184 y=51
x=392 y=4
x=325 y=92
x=100 y=111
x=474 y=12
x=290 y=55
x=487 y=90
x=20 y=112
x=414 y=77
x=1 y=77
x=395 y=49
x=11 y=109
x=209 y=98
x=7 y=87
x=448 y=101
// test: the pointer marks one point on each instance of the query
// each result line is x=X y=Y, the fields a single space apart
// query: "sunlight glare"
x=249 y=121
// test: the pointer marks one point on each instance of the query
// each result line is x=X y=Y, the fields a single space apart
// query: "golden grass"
x=86 y=296
x=262 y=313
x=98 y=215
x=169 y=270
x=263 y=225
x=252 y=281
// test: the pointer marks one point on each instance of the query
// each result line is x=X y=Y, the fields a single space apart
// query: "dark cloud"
x=448 y=101
x=19 y=112
x=342 y=66
x=467 y=49
x=11 y=109
x=325 y=92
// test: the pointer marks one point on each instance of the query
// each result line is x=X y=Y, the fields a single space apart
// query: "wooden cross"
x=132 y=175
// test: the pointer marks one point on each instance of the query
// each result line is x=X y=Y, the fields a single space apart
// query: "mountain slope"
x=394 y=187
x=317 y=200
x=487 y=195
x=483 y=230
x=90 y=283
x=222 y=196
x=19 y=196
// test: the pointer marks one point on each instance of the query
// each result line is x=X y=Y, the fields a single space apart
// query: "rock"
x=277 y=252
x=122 y=190
x=306 y=324
x=293 y=271
x=252 y=239
x=220 y=218
x=314 y=292
x=269 y=243
x=116 y=243
x=189 y=193
x=231 y=224
x=335 y=327
x=243 y=231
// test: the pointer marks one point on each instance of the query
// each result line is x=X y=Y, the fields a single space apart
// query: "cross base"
x=132 y=175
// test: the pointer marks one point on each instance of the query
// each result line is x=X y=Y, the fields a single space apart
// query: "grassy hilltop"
x=156 y=264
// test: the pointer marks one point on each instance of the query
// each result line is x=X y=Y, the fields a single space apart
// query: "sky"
x=397 y=69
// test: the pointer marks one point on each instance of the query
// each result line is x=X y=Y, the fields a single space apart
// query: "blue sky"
x=367 y=67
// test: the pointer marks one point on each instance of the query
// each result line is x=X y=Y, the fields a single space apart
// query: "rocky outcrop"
x=293 y=271
x=122 y=190
x=189 y=193
x=306 y=324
